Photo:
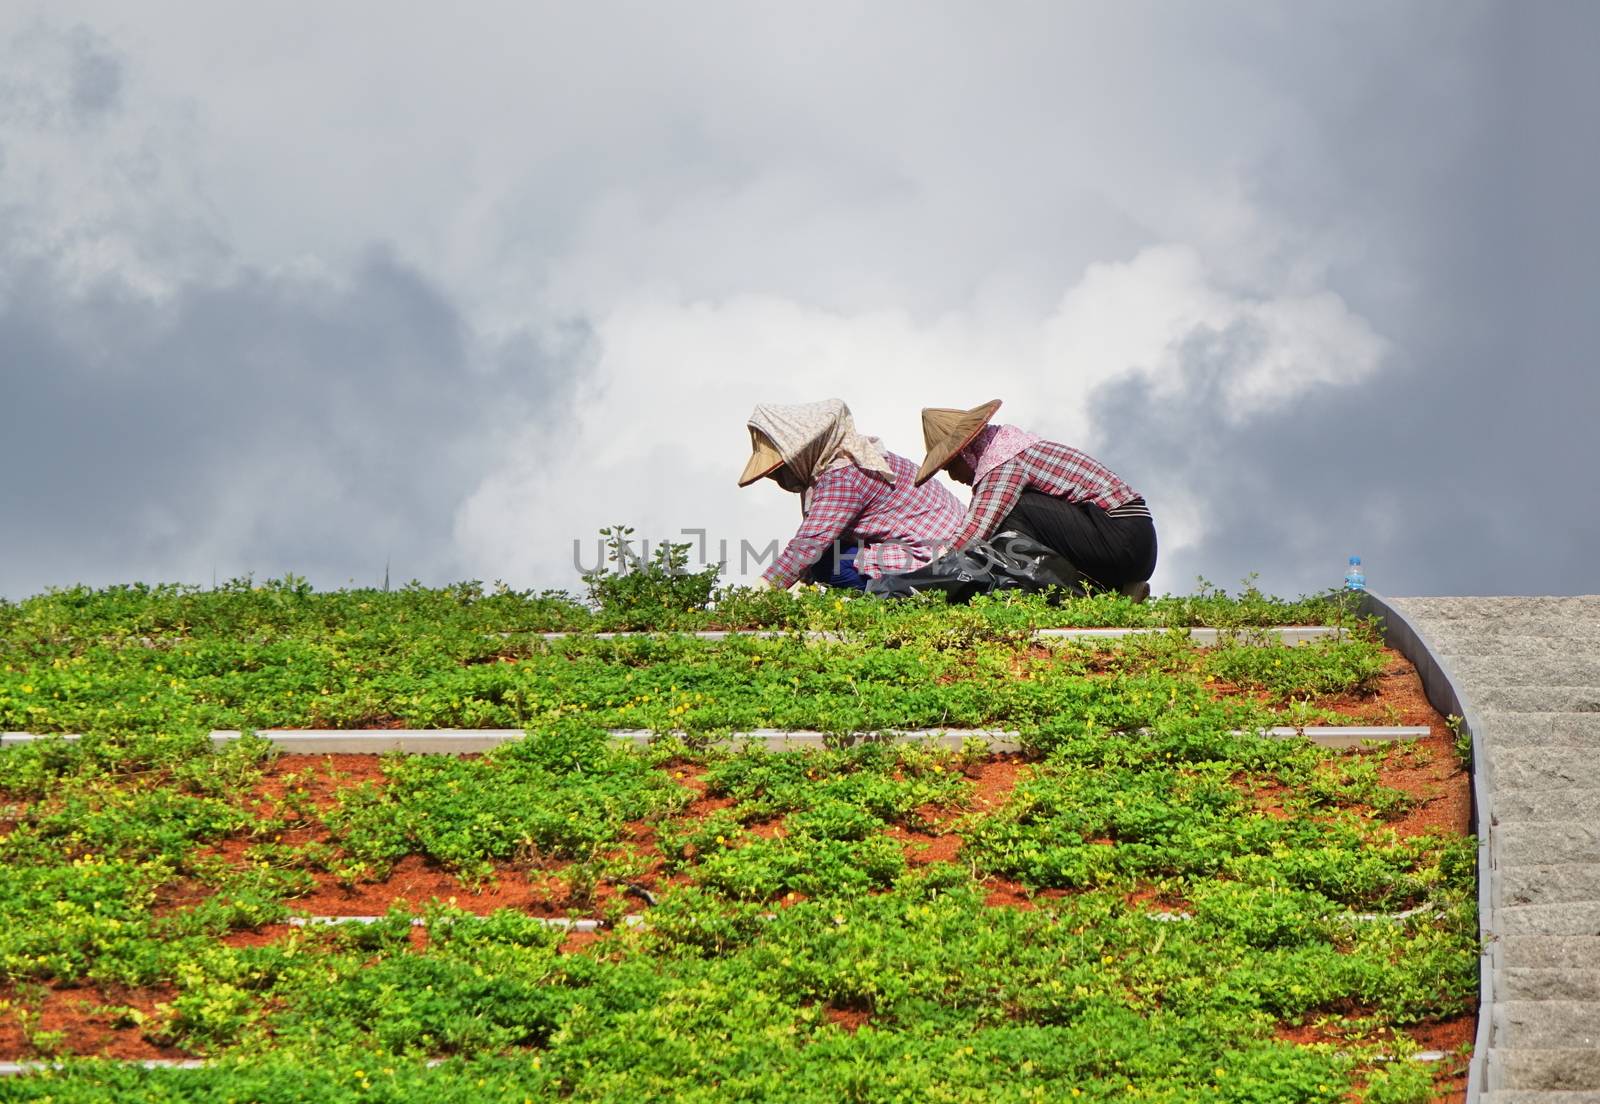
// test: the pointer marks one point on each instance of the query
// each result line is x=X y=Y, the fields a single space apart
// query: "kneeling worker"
x=863 y=512
x=1056 y=495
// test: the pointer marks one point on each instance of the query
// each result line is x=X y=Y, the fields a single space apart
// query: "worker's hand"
x=762 y=583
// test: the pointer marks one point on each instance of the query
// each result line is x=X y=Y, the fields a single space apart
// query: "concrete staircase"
x=1530 y=669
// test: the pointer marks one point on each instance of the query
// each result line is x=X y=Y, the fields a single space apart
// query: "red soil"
x=298 y=788
x=1454 y=1037
x=313 y=779
x=851 y=1019
x=80 y=1013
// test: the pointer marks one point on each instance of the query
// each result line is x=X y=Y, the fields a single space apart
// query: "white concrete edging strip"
x=461 y=741
x=21 y=1069
x=1278 y=634
x=577 y=924
x=473 y=741
x=12 y=739
x=638 y=919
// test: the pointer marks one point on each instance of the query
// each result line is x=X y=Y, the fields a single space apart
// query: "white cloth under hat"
x=813 y=437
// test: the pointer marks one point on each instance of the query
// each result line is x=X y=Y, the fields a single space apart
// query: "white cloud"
x=661 y=432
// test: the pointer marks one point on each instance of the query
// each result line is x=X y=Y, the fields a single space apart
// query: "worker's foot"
x=1137 y=591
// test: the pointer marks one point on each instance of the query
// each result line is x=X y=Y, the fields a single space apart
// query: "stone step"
x=1549 y=983
x=1534 y=622
x=1466 y=607
x=1581 y=918
x=1544 y=844
x=1553 y=1069
x=1541 y=729
x=1534 y=699
x=1558 y=883
x=1549 y=952
x=1562 y=669
x=1543 y=768
x=1546 y=1025
x=1553 y=805
x=1497 y=610
x=1539 y=1096
x=1459 y=644
x=1459 y=640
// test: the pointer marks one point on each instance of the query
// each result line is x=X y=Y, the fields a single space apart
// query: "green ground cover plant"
x=1145 y=905
x=339 y=678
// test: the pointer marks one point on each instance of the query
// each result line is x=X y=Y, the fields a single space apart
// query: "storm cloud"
x=282 y=293
x=324 y=427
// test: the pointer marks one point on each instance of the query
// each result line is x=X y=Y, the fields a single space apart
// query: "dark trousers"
x=1108 y=551
x=837 y=568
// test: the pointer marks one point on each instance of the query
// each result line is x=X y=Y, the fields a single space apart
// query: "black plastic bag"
x=1008 y=561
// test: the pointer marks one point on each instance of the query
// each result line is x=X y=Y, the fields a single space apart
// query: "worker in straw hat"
x=862 y=509
x=1058 y=496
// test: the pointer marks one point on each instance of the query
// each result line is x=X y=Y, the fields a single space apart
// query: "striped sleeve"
x=992 y=499
x=837 y=499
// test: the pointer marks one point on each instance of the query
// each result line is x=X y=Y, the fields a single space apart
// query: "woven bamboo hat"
x=946 y=432
x=764 y=458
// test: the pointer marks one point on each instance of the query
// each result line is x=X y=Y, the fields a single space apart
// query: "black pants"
x=1108 y=551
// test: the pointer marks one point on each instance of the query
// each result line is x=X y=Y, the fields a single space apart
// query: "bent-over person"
x=862 y=512
x=1052 y=493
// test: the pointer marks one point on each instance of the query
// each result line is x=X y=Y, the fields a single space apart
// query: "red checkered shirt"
x=897 y=528
x=1046 y=467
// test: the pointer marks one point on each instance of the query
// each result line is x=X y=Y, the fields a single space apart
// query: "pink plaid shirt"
x=898 y=528
x=1046 y=467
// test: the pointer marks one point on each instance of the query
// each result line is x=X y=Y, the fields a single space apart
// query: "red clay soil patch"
x=851 y=1019
x=263 y=936
x=71 y=1010
x=317 y=779
x=1151 y=899
x=1400 y=699
x=12 y=813
x=415 y=880
x=1440 y=787
x=1437 y=780
x=994 y=779
x=692 y=776
x=1427 y=769
x=1001 y=893
x=1452 y=1037
x=1267 y=798
x=1446 y=1035
x=923 y=848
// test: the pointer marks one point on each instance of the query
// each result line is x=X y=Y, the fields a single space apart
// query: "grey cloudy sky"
x=311 y=288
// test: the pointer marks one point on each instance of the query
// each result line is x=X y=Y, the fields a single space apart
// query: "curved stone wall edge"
x=1439 y=683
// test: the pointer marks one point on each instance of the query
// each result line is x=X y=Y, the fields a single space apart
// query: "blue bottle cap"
x=1355 y=559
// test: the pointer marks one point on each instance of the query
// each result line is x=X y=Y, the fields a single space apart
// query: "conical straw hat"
x=764 y=458
x=946 y=432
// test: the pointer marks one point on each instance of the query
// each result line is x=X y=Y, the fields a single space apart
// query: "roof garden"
x=1013 y=864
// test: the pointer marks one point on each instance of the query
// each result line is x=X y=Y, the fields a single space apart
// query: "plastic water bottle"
x=1354 y=578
